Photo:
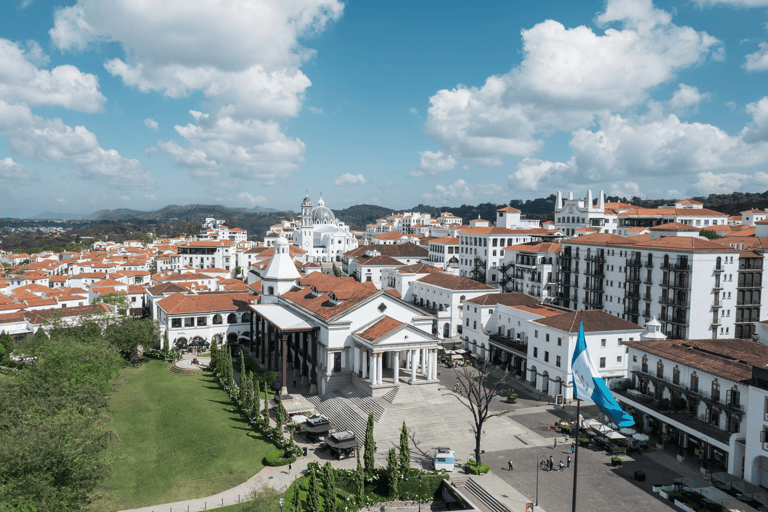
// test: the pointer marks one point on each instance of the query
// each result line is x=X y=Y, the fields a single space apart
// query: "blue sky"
x=115 y=103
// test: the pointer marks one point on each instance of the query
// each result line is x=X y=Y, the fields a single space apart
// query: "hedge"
x=475 y=470
x=275 y=458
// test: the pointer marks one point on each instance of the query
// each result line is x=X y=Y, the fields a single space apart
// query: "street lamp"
x=541 y=457
x=420 y=479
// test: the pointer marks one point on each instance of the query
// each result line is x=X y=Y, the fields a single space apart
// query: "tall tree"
x=166 y=341
x=370 y=446
x=281 y=417
x=214 y=354
x=241 y=389
x=329 y=489
x=266 y=403
x=256 y=400
x=296 y=502
x=359 y=478
x=313 y=496
x=405 y=448
x=478 y=388
x=245 y=391
x=392 y=472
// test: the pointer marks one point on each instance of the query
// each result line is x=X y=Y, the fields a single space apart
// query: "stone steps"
x=365 y=404
x=185 y=371
x=484 y=496
x=390 y=395
x=342 y=416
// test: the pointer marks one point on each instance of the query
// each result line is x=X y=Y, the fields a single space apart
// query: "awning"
x=282 y=318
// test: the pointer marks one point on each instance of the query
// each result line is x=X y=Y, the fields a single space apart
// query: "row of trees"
x=54 y=423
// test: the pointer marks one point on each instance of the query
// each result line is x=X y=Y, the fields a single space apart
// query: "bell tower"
x=306 y=212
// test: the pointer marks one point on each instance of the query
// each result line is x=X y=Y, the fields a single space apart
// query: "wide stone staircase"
x=341 y=415
x=484 y=496
x=390 y=395
x=364 y=403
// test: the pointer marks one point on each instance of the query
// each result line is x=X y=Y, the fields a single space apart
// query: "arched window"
x=545 y=382
x=645 y=364
x=232 y=318
x=650 y=259
x=676 y=375
x=718 y=265
x=246 y=317
x=217 y=319
x=660 y=369
x=666 y=260
x=715 y=390
x=694 y=382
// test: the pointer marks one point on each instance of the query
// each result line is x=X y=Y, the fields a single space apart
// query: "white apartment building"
x=442 y=250
x=406 y=254
x=398 y=281
x=752 y=217
x=205 y=254
x=481 y=248
x=531 y=269
x=222 y=232
x=535 y=341
x=688 y=283
x=721 y=388
x=511 y=218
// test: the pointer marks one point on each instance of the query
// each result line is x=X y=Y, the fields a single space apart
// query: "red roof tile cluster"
x=452 y=282
x=347 y=291
x=380 y=328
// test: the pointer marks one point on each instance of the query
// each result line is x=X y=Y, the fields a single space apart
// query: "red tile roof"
x=594 y=320
x=381 y=328
x=206 y=302
x=452 y=282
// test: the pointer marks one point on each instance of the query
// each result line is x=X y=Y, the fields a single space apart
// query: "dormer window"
x=315 y=291
x=332 y=297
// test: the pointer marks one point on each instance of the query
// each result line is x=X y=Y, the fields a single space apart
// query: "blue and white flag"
x=590 y=387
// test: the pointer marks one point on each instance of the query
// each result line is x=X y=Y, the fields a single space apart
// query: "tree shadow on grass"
x=222 y=402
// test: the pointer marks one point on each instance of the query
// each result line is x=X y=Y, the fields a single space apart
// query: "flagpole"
x=576 y=453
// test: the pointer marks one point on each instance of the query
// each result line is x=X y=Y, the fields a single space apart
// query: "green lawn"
x=179 y=439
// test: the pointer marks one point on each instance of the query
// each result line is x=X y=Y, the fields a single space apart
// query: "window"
x=546 y=356
x=189 y=322
x=216 y=319
x=175 y=323
x=559 y=341
x=547 y=336
x=535 y=351
x=618 y=359
x=715 y=390
x=694 y=382
x=557 y=361
x=676 y=375
x=602 y=362
x=202 y=321
x=535 y=334
x=602 y=342
x=232 y=318
x=660 y=369
x=634 y=359
x=474 y=324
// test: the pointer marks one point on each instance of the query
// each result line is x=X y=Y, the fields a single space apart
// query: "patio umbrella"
x=612 y=425
x=640 y=437
x=628 y=431
x=299 y=418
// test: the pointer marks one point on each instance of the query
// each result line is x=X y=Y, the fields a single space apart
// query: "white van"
x=444 y=459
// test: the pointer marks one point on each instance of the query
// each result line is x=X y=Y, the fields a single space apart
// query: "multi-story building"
x=685 y=281
x=707 y=398
x=481 y=249
x=205 y=254
x=406 y=254
x=442 y=250
x=321 y=235
x=532 y=269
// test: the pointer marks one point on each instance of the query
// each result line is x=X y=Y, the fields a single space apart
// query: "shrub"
x=476 y=469
x=616 y=461
x=678 y=404
x=430 y=485
x=674 y=494
x=664 y=404
x=565 y=428
x=512 y=396
x=584 y=441
x=639 y=472
x=277 y=458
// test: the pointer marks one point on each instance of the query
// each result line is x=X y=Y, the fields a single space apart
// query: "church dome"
x=323 y=215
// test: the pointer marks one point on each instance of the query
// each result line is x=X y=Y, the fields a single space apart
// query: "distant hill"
x=187 y=212
x=58 y=215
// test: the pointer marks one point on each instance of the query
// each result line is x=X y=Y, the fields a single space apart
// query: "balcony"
x=647 y=297
x=677 y=302
x=676 y=266
x=717 y=303
x=632 y=278
x=648 y=264
x=689 y=420
x=504 y=342
x=718 y=269
x=648 y=280
x=633 y=262
x=597 y=258
x=718 y=285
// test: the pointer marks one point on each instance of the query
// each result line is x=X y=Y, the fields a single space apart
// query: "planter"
x=662 y=487
x=616 y=461
x=639 y=476
x=679 y=504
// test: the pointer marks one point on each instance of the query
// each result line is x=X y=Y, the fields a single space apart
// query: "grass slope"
x=179 y=439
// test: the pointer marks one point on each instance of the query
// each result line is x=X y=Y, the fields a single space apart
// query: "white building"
x=481 y=248
x=321 y=235
x=688 y=283
x=205 y=254
x=442 y=250
x=531 y=269
x=721 y=388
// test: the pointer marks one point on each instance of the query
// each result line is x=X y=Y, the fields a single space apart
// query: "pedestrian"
x=555 y=443
x=572 y=447
x=551 y=463
x=290 y=467
x=375 y=446
x=509 y=464
x=561 y=465
x=294 y=384
x=569 y=462
x=566 y=437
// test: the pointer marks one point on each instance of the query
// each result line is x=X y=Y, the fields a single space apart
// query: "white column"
x=424 y=361
x=372 y=360
x=397 y=368
x=408 y=359
x=434 y=365
x=379 y=369
x=357 y=359
x=364 y=361
x=344 y=366
x=427 y=364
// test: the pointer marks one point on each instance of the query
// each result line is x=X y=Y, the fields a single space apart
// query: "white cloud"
x=50 y=140
x=758 y=131
x=151 y=123
x=254 y=200
x=316 y=110
x=150 y=197
x=725 y=183
x=350 y=179
x=22 y=82
x=463 y=191
x=567 y=77
x=535 y=174
x=13 y=173
x=687 y=96
x=758 y=61
x=673 y=193
x=627 y=189
x=433 y=163
x=414 y=111
x=61 y=200
x=34 y=53
x=243 y=56
x=125 y=198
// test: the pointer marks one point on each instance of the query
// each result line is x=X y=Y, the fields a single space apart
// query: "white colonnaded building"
x=321 y=235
